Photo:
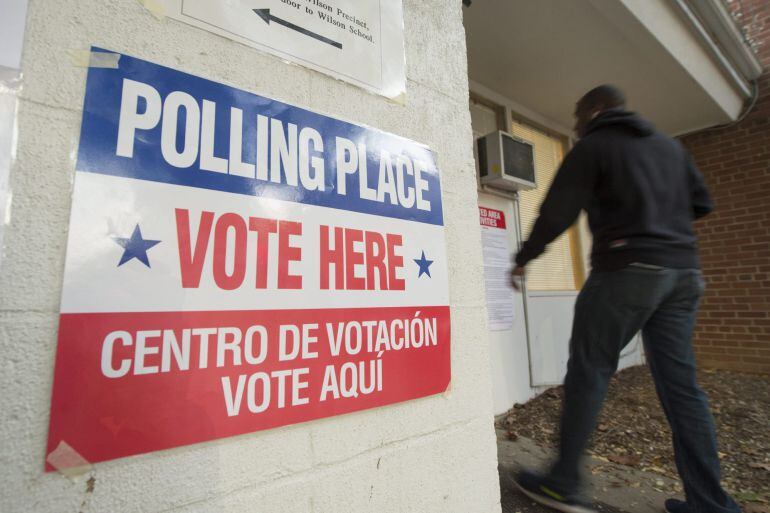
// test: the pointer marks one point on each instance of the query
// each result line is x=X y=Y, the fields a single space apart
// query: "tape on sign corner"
x=89 y=59
x=157 y=10
x=5 y=213
x=400 y=99
x=447 y=393
x=67 y=461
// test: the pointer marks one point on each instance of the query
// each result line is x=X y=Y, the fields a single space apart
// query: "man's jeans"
x=610 y=310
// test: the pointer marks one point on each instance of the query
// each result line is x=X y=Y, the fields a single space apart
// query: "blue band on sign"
x=148 y=122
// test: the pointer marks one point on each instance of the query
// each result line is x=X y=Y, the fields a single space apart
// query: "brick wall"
x=733 y=330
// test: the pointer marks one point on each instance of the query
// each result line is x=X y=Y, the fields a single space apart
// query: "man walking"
x=641 y=192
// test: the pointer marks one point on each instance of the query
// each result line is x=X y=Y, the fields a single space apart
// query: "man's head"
x=594 y=102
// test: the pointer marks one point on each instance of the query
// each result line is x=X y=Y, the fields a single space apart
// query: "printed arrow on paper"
x=265 y=15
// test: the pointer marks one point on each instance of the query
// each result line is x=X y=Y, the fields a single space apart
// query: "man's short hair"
x=604 y=97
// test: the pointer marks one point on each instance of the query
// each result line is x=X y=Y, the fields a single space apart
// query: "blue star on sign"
x=424 y=264
x=135 y=247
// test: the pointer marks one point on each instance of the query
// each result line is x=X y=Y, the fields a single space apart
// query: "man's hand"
x=517 y=277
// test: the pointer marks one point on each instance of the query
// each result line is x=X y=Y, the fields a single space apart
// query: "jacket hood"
x=621 y=118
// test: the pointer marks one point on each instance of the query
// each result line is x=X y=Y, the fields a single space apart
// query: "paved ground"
x=622 y=490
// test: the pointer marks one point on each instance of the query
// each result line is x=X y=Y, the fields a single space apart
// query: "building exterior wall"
x=733 y=330
x=433 y=454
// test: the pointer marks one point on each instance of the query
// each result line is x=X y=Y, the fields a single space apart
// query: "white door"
x=508 y=341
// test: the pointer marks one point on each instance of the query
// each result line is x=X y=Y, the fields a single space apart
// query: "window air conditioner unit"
x=506 y=162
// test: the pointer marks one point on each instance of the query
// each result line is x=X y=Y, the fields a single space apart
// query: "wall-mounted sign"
x=360 y=41
x=497 y=265
x=12 y=24
x=235 y=263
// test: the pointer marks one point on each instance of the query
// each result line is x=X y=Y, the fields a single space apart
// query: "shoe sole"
x=554 y=504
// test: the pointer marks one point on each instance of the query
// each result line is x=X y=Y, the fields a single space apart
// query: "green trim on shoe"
x=551 y=493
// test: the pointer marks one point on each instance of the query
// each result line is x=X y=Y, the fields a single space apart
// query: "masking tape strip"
x=155 y=8
x=89 y=59
x=67 y=460
x=400 y=99
x=5 y=216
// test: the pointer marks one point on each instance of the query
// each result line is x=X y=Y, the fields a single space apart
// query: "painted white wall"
x=435 y=454
x=550 y=325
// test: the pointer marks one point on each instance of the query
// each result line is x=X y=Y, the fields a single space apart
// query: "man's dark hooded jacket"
x=641 y=191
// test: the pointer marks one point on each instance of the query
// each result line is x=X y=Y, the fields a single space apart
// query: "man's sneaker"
x=676 y=506
x=535 y=487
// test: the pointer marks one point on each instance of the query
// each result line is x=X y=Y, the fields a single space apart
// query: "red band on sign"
x=131 y=383
x=492 y=218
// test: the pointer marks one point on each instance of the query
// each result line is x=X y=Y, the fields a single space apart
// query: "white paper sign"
x=497 y=263
x=359 y=41
x=12 y=19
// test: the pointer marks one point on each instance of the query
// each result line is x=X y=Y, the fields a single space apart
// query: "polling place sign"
x=235 y=263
